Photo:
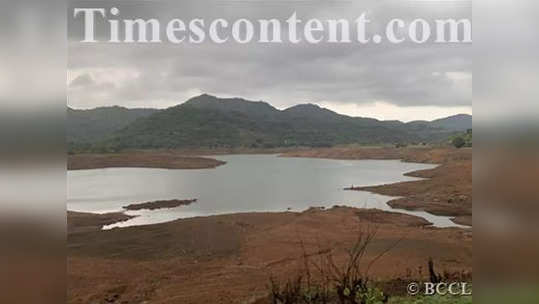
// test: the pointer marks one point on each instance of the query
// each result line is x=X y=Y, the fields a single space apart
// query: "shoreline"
x=148 y=159
x=78 y=222
x=88 y=221
x=162 y=204
x=445 y=190
x=428 y=194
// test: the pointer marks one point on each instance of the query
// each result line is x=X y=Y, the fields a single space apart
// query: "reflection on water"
x=247 y=183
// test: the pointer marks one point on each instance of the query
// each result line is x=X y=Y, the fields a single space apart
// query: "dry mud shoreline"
x=160 y=204
x=445 y=190
x=140 y=159
x=229 y=258
x=78 y=222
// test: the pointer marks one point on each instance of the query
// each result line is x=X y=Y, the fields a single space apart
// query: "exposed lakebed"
x=246 y=183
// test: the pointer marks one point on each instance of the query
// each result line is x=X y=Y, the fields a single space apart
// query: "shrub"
x=458 y=142
x=326 y=282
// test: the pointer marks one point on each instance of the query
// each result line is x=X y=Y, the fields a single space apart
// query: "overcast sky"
x=385 y=81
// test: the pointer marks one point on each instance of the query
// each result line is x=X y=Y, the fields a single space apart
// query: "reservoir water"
x=246 y=183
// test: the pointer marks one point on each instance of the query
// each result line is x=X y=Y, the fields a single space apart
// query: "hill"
x=460 y=122
x=209 y=121
x=86 y=127
x=253 y=109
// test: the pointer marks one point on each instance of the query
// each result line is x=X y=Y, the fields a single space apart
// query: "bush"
x=326 y=282
x=401 y=145
x=458 y=142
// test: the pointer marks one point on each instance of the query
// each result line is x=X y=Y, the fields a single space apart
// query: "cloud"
x=83 y=80
x=402 y=75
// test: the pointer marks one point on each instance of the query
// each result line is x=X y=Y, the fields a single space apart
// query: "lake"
x=247 y=183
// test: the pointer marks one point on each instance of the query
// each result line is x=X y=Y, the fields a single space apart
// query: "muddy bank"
x=140 y=159
x=229 y=258
x=160 y=204
x=84 y=222
x=465 y=220
x=430 y=155
x=446 y=189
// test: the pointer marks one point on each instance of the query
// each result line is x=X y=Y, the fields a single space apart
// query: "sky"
x=384 y=81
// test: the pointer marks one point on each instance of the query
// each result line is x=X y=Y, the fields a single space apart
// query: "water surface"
x=247 y=183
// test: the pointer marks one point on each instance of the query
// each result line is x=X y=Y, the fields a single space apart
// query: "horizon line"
x=268 y=103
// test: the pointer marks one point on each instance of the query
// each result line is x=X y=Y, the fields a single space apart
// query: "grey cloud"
x=82 y=81
x=284 y=75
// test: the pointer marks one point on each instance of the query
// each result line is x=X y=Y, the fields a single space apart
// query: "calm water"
x=246 y=183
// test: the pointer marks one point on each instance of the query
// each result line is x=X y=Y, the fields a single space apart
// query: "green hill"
x=208 y=121
x=85 y=128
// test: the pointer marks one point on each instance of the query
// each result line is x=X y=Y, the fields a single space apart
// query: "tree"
x=458 y=142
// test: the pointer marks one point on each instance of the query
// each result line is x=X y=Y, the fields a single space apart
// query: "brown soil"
x=229 y=258
x=446 y=189
x=154 y=159
x=159 y=204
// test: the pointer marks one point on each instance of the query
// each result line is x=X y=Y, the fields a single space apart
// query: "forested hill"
x=89 y=126
x=209 y=121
